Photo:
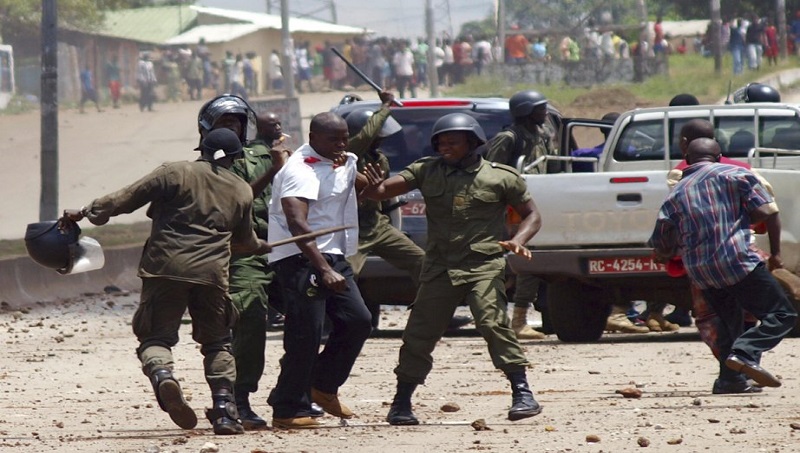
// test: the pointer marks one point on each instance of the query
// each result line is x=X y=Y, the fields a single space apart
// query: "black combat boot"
x=250 y=420
x=170 y=398
x=522 y=403
x=223 y=416
x=400 y=412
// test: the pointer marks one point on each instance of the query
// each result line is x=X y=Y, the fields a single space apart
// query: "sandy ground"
x=69 y=381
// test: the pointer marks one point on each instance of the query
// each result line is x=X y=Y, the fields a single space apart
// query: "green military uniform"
x=463 y=260
x=376 y=234
x=251 y=278
x=506 y=147
x=198 y=209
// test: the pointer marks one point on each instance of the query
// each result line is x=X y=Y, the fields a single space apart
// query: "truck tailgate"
x=590 y=209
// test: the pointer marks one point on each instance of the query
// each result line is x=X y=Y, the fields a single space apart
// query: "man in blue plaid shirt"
x=706 y=220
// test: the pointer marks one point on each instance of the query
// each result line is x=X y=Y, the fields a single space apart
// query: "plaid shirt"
x=706 y=220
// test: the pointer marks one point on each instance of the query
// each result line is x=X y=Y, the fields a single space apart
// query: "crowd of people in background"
x=403 y=65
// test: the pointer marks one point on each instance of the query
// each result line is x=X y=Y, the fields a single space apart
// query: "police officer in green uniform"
x=201 y=214
x=466 y=198
x=252 y=281
x=528 y=138
x=376 y=235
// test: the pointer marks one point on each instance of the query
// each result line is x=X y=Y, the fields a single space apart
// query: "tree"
x=20 y=20
x=566 y=15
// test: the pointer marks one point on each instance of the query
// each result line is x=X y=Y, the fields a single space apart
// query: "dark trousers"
x=308 y=303
x=760 y=294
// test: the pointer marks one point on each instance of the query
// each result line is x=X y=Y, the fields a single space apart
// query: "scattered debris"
x=450 y=407
x=677 y=441
x=480 y=425
x=630 y=392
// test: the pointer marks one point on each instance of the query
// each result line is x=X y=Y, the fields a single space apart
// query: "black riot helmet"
x=522 y=103
x=212 y=110
x=756 y=92
x=457 y=122
x=357 y=119
x=60 y=247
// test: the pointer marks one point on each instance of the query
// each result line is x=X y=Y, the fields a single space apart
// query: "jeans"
x=761 y=295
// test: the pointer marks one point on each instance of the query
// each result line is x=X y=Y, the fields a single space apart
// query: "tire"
x=578 y=312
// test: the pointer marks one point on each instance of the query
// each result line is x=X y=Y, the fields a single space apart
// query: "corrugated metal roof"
x=274 y=21
x=150 y=25
x=214 y=33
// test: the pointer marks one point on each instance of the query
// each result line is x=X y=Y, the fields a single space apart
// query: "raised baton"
x=362 y=75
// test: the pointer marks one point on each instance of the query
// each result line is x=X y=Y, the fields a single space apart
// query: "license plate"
x=413 y=208
x=629 y=265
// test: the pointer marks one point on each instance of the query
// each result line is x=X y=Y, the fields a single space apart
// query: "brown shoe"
x=618 y=322
x=295 y=423
x=330 y=403
x=657 y=323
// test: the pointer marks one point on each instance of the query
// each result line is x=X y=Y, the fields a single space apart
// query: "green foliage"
x=687 y=73
x=567 y=15
x=20 y=20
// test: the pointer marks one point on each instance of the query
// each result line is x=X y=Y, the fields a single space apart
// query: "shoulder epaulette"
x=507 y=168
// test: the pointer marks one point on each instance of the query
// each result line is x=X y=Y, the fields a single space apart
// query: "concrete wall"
x=24 y=282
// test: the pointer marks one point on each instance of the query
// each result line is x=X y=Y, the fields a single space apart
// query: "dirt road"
x=70 y=382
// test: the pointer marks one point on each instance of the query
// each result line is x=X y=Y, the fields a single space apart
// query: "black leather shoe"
x=752 y=370
x=457 y=322
x=523 y=406
x=400 y=415
x=250 y=420
x=730 y=388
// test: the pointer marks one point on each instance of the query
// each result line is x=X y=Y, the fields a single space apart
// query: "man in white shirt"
x=404 y=70
x=316 y=189
x=275 y=71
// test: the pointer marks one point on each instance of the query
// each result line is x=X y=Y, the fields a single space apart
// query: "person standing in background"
x=113 y=78
x=146 y=78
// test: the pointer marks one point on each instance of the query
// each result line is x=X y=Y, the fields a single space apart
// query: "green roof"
x=153 y=25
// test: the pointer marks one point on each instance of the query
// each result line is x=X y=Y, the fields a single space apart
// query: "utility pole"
x=334 y=19
x=501 y=28
x=780 y=11
x=433 y=76
x=716 y=27
x=48 y=200
x=288 y=51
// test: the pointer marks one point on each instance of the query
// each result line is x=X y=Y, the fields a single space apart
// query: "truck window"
x=737 y=135
x=641 y=140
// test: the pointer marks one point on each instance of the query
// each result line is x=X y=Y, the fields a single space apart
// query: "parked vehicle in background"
x=592 y=246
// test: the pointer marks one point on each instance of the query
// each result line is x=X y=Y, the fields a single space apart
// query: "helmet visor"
x=87 y=256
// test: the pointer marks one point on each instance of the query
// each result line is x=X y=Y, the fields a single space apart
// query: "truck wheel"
x=578 y=311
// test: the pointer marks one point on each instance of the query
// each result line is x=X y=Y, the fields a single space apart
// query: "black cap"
x=220 y=143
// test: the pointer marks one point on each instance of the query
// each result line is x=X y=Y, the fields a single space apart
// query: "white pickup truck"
x=592 y=245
